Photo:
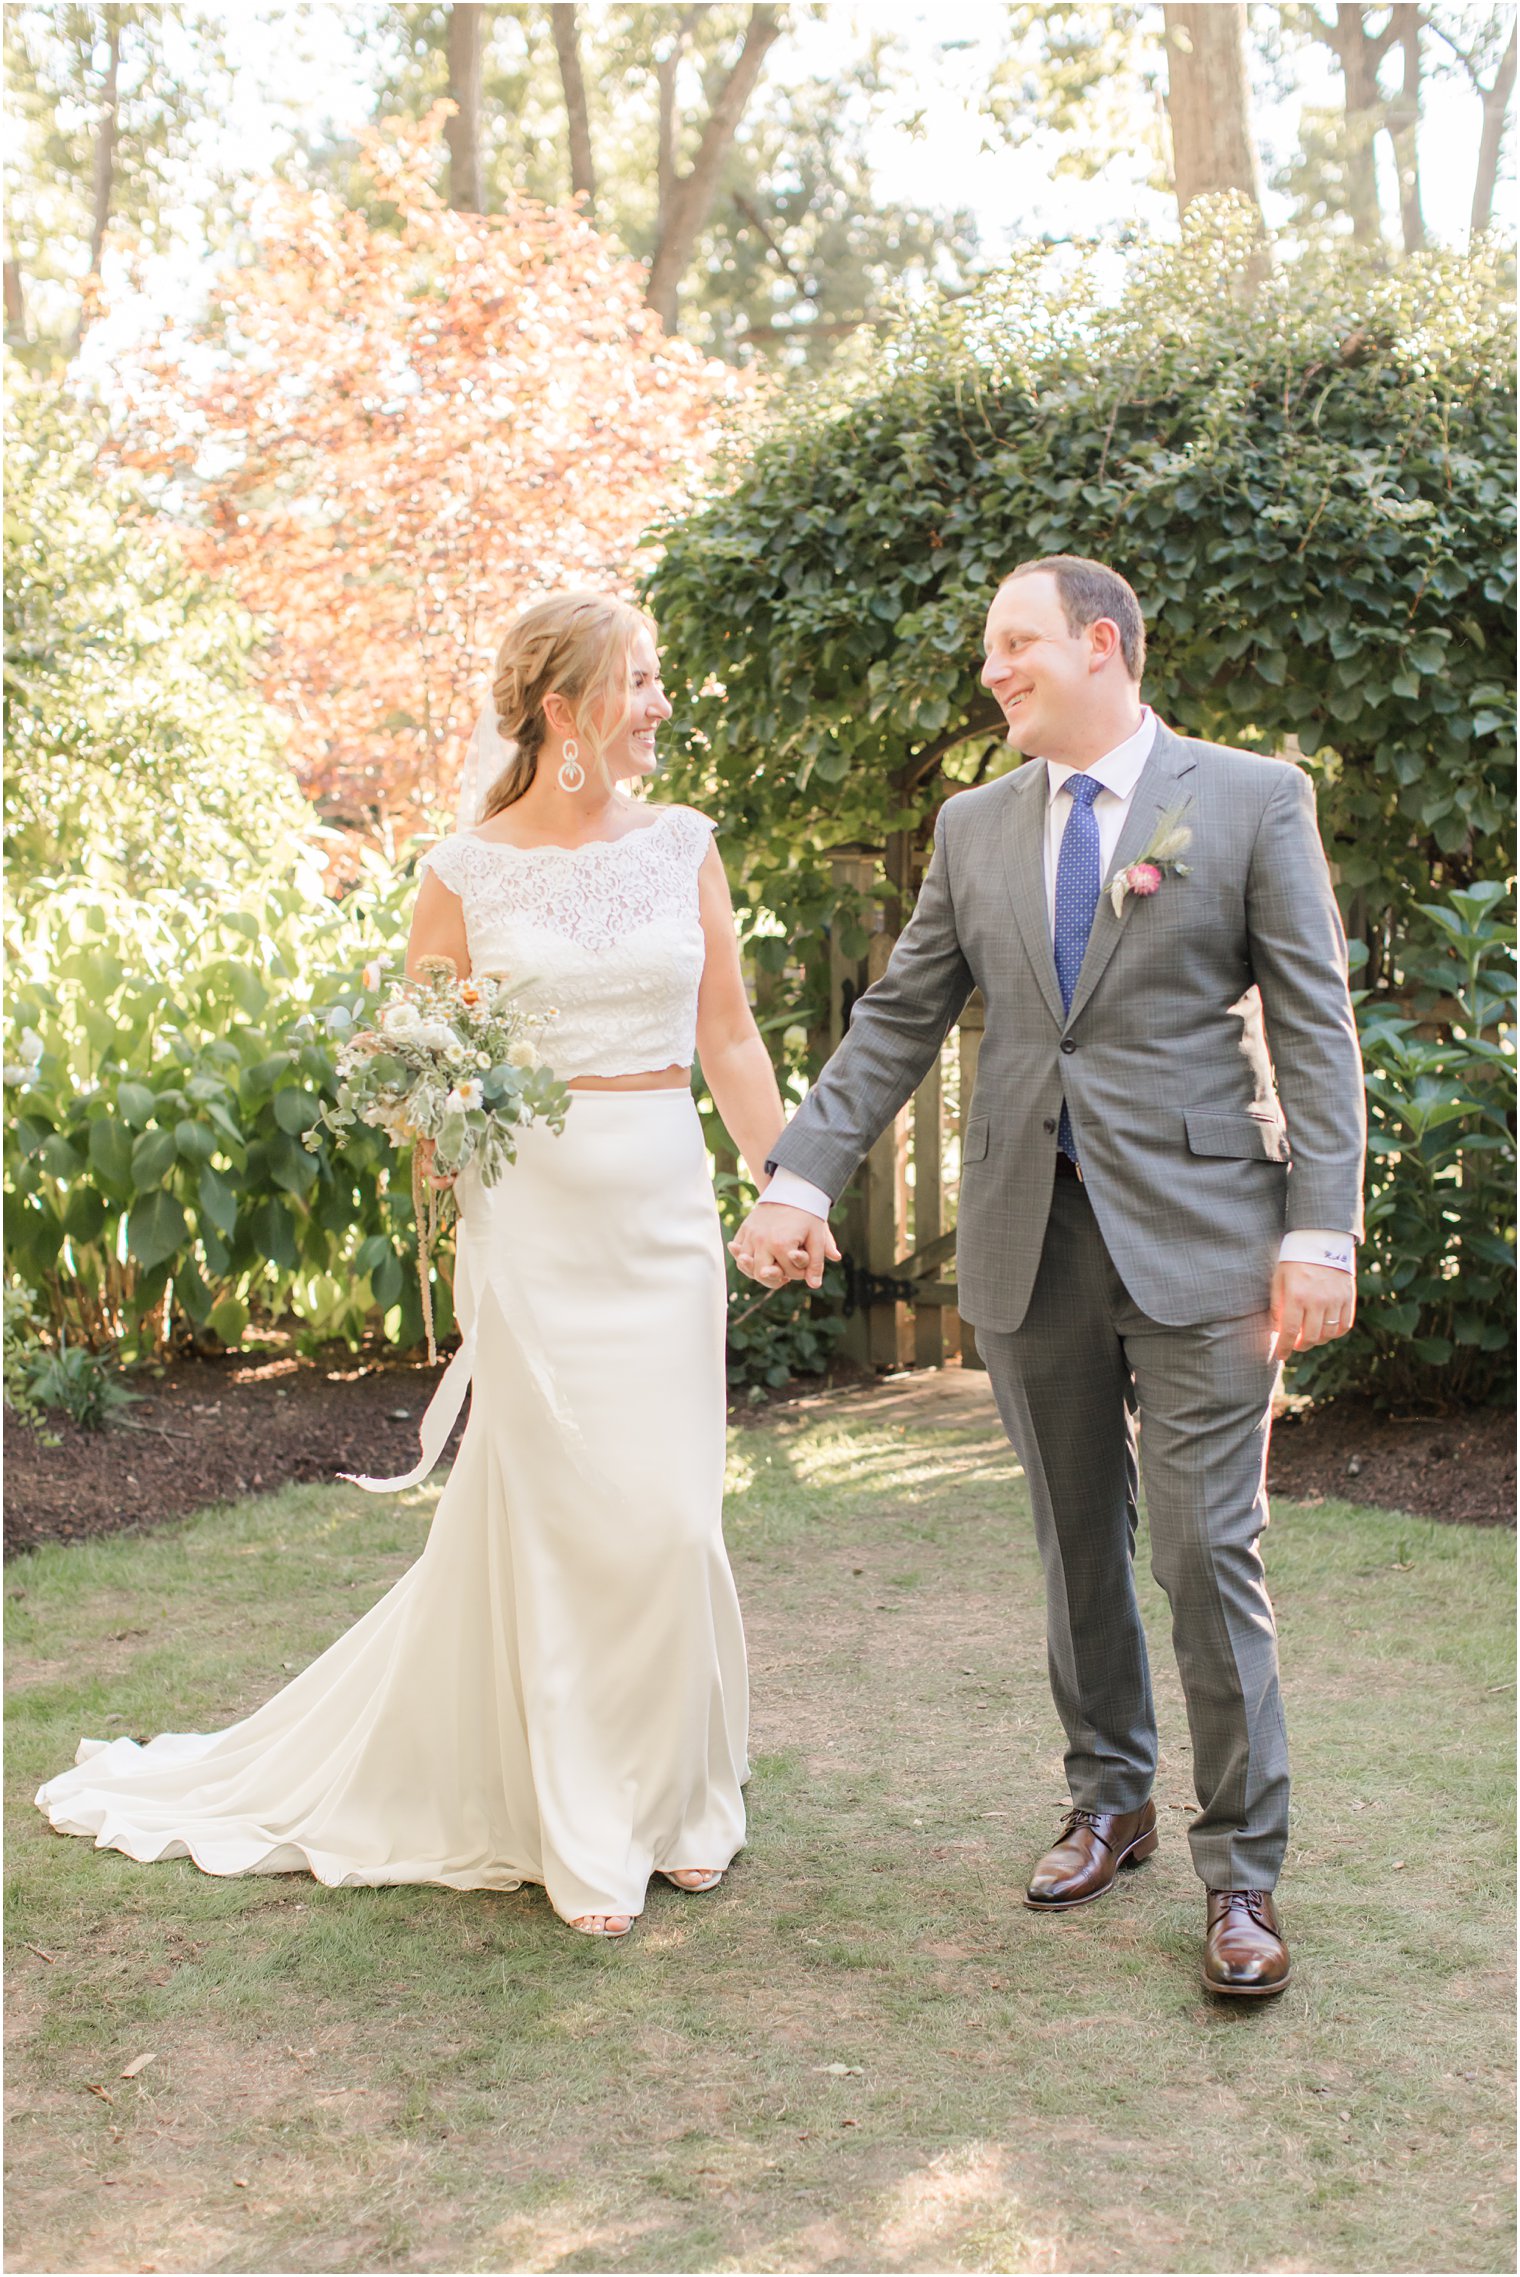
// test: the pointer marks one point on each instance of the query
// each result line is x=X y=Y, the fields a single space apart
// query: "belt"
x=1066 y=1168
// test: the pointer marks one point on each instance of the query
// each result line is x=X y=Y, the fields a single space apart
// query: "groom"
x=1160 y=1198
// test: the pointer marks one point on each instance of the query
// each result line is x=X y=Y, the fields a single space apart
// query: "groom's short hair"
x=1090 y=590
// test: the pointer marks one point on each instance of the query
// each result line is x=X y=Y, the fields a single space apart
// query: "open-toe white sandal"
x=708 y=1878
x=586 y=1923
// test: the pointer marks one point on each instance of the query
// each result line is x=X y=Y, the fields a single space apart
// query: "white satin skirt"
x=556 y=1691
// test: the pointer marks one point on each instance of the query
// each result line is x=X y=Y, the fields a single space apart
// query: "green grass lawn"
x=415 y=2079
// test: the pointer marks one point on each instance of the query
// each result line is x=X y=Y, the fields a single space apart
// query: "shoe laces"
x=1080 y=1817
x=1249 y=1900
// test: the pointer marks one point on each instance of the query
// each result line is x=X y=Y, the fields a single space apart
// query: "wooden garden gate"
x=891 y=1226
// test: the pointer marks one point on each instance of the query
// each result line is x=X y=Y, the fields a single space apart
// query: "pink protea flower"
x=1143 y=878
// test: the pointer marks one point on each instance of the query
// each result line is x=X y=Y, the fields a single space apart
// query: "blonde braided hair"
x=573 y=645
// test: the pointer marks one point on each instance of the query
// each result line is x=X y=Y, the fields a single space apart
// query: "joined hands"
x=778 y=1243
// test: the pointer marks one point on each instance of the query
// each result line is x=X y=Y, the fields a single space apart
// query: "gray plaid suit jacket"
x=1196 y=1159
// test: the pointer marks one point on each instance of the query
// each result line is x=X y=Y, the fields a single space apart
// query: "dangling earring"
x=571 y=773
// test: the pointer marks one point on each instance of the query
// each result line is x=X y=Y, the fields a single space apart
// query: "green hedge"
x=1436 y=1299
x=1311 y=486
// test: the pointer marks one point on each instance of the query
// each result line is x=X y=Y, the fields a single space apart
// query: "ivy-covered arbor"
x=1308 y=477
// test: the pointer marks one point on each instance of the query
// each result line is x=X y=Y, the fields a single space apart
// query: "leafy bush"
x=1436 y=1307
x=78 y=1381
x=137 y=747
x=83 y=1384
x=775 y=1335
x=164 y=1068
x=22 y=1323
x=155 y=1169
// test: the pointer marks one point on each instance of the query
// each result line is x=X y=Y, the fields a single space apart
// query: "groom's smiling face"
x=1038 y=669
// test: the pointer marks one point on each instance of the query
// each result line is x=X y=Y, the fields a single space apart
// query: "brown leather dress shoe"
x=1243 y=1951
x=1093 y=1845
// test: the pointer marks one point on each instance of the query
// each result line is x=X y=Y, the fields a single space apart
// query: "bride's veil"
x=486 y=754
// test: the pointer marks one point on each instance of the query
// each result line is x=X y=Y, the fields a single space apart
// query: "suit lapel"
x=1163 y=788
x=1024 y=861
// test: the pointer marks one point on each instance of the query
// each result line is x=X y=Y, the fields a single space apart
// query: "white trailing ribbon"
x=442 y=1411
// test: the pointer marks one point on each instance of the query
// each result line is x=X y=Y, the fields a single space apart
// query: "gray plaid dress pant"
x=1071 y=1384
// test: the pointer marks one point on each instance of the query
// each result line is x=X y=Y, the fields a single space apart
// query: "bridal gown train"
x=556 y=1691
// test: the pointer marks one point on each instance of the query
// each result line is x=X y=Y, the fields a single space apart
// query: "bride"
x=556 y=1691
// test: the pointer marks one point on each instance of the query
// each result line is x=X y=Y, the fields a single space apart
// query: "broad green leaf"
x=290 y=1165
x=218 y=1201
x=248 y=989
x=135 y=1104
x=111 y=1150
x=58 y=1158
x=386 y=1280
x=153 y=1157
x=228 y=1318
x=155 y=1229
x=84 y=1214
x=272 y=1229
x=295 y=1111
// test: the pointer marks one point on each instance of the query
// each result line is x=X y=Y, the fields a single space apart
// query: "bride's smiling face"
x=630 y=751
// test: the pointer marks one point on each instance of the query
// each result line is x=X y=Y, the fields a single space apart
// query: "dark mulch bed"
x=1459 y=1466
x=209 y=1430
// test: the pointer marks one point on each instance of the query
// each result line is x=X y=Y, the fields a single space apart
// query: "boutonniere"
x=1170 y=838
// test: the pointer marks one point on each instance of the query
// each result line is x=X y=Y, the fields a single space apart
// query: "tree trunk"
x=15 y=304
x=1359 y=53
x=666 y=68
x=1404 y=129
x=690 y=201
x=103 y=184
x=105 y=143
x=462 y=134
x=567 y=47
x=1495 y=112
x=1208 y=102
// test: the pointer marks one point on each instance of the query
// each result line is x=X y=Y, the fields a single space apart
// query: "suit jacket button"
x=1067 y=1045
x=1050 y=1123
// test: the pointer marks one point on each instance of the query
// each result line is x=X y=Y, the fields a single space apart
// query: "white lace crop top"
x=607 y=936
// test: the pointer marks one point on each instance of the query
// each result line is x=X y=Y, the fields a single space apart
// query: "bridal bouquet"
x=448 y=1061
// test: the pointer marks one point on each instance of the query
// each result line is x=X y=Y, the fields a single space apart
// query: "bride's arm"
x=437 y=928
x=735 y=1063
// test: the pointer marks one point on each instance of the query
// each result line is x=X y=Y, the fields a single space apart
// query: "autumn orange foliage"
x=402 y=424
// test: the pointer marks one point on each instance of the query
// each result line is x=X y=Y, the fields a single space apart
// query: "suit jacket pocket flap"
x=974 y=1146
x=1212 y=1130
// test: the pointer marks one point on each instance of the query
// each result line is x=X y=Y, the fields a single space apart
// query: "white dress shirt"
x=1119 y=772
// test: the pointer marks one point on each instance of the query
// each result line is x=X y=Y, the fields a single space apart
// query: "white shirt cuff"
x=1337 y=1249
x=797 y=1194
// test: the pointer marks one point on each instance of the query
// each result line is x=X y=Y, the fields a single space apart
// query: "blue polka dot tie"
x=1079 y=881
